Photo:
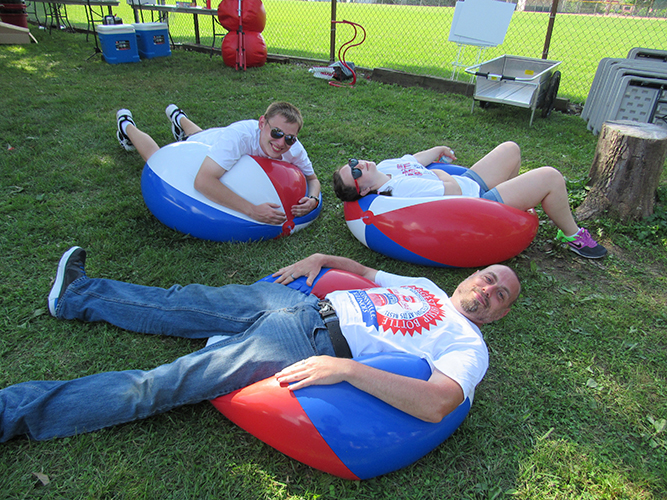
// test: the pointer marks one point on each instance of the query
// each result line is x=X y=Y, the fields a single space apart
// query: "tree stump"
x=627 y=165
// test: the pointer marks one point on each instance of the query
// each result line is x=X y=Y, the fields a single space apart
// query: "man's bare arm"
x=311 y=266
x=207 y=182
x=429 y=400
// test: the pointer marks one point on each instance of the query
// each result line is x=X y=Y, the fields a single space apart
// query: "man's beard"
x=471 y=304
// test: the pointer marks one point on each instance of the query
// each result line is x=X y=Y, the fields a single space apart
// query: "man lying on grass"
x=269 y=330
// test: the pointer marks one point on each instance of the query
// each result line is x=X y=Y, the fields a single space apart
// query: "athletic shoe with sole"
x=583 y=244
x=70 y=268
x=122 y=116
x=174 y=113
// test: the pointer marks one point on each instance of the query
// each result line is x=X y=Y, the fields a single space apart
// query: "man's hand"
x=305 y=206
x=207 y=182
x=316 y=370
x=268 y=213
x=309 y=267
x=429 y=400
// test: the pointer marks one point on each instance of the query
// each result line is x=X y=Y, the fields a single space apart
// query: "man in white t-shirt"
x=274 y=136
x=407 y=314
x=495 y=177
x=267 y=329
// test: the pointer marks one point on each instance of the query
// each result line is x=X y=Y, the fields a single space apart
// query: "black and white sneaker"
x=122 y=116
x=174 y=113
x=70 y=268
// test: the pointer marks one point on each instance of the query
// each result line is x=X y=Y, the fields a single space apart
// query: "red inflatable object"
x=253 y=15
x=335 y=279
x=255 y=407
x=338 y=428
x=253 y=47
x=447 y=232
x=274 y=415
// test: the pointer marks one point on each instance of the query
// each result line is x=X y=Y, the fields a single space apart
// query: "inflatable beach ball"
x=167 y=185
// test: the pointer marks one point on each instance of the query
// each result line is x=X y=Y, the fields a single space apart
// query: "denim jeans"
x=265 y=326
x=484 y=191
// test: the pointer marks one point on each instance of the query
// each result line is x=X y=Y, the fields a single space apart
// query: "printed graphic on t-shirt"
x=410 y=169
x=407 y=310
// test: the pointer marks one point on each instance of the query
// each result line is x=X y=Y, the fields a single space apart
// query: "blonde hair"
x=288 y=111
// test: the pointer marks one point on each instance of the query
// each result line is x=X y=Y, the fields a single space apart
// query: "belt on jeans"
x=340 y=345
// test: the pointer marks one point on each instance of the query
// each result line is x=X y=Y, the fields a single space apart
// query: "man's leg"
x=265 y=327
x=131 y=138
x=501 y=164
x=193 y=311
x=181 y=126
x=48 y=409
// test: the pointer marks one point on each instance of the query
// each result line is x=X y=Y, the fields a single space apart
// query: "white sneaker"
x=174 y=113
x=122 y=116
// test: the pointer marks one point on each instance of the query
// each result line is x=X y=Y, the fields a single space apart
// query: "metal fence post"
x=550 y=28
x=332 y=43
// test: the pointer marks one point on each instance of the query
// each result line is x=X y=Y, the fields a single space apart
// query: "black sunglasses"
x=356 y=172
x=276 y=133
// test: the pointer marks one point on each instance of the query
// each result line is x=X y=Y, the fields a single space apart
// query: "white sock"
x=573 y=235
x=124 y=124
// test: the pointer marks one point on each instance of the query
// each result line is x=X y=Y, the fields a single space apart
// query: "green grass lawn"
x=415 y=38
x=573 y=406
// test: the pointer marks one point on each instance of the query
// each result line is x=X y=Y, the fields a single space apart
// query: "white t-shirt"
x=411 y=179
x=229 y=143
x=413 y=315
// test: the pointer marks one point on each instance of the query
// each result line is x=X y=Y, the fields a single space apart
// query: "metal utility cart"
x=517 y=81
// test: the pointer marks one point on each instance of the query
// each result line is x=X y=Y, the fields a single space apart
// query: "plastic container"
x=152 y=39
x=119 y=43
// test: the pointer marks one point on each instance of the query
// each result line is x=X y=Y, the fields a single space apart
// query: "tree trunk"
x=624 y=177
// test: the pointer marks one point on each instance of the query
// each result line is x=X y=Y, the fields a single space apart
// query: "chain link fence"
x=413 y=35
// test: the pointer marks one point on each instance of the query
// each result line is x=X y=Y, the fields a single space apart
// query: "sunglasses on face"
x=356 y=172
x=276 y=133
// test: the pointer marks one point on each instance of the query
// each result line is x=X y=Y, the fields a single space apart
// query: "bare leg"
x=543 y=185
x=188 y=126
x=181 y=126
x=144 y=143
x=500 y=165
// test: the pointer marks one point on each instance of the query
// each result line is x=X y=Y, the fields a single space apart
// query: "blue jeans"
x=484 y=191
x=266 y=327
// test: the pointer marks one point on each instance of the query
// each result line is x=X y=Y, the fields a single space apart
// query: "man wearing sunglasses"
x=267 y=329
x=495 y=177
x=274 y=136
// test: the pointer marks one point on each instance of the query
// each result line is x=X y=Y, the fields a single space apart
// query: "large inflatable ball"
x=167 y=185
x=253 y=15
x=253 y=45
x=337 y=428
x=449 y=231
x=243 y=46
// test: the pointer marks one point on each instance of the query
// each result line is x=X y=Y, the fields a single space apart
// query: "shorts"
x=484 y=191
